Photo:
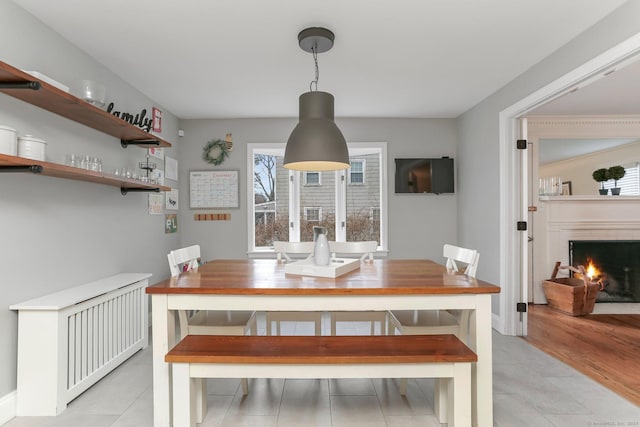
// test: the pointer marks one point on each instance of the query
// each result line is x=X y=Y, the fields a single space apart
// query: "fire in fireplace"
x=615 y=263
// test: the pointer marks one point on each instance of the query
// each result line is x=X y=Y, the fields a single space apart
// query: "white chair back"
x=285 y=249
x=183 y=257
x=470 y=257
x=365 y=248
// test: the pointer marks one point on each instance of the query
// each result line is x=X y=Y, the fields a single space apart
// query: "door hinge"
x=521 y=144
x=521 y=226
x=521 y=307
x=533 y=209
x=291 y=178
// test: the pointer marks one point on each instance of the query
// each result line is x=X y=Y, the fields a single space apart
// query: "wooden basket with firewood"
x=576 y=295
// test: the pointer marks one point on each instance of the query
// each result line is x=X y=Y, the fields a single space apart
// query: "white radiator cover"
x=70 y=339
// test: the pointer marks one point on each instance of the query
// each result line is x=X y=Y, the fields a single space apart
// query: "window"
x=374 y=214
x=356 y=171
x=312 y=178
x=630 y=183
x=286 y=205
x=313 y=214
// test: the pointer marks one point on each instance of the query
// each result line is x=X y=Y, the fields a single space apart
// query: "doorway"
x=513 y=175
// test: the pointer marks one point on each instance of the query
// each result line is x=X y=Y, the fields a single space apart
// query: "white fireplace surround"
x=564 y=218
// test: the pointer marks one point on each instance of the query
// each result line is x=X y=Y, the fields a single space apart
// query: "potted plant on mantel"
x=601 y=175
x=616 y=173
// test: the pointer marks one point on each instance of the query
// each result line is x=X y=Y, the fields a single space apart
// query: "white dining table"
x=379 y=285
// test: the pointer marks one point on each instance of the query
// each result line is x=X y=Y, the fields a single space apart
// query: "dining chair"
x=204 y=322
x=290 y=252
x=431 y=322
x=365 y=250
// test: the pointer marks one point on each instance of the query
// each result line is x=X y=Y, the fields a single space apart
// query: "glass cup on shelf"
x=85 y=162
x=93 y=92
x=72 y=159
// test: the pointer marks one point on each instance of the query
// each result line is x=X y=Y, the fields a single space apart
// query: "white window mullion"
x=294 y=206
x=251 y=216
x=341 y=206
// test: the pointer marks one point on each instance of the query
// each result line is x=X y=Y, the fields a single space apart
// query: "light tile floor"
x=530 y=389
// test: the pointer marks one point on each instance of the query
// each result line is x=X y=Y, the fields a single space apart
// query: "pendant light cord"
x=315 y=59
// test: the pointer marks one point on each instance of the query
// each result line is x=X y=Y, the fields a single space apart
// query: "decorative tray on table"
x=337 y=267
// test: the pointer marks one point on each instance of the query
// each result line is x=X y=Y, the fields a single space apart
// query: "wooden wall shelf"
x=57 y=101
x=9 y=163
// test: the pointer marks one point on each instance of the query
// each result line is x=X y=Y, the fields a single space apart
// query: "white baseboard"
x=7 y=407
x=496 y=323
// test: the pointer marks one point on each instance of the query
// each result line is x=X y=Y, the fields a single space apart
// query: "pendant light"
x=316 y=143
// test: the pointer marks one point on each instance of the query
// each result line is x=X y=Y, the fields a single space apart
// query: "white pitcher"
x=321 y=253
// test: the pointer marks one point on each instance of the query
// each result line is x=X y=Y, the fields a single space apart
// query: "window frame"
x=312 y=208
x=363 y=162
x=312 y=184
x=295 y=183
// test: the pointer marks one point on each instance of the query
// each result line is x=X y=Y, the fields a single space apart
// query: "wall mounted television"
x=424 y=175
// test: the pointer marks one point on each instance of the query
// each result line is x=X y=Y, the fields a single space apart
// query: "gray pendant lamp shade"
x=316 y=143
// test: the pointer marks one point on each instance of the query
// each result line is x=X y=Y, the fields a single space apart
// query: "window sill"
x=270 y=254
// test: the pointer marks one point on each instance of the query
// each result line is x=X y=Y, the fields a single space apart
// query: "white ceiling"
x=615 y=94
x=240 y=58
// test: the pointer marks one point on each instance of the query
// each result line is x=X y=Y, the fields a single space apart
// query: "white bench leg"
x=200 y=385
x=183 y=391
x=459 y=407
x=440 y=399
x=403 y=386
x=245 y=386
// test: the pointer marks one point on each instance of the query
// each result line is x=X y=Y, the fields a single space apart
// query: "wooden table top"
x=267 y=277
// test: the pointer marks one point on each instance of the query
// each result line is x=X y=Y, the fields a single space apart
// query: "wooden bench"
x=401 y=356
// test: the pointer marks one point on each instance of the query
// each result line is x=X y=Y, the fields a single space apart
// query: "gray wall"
x=418 y=224
x=60 y=233
x=478 y=135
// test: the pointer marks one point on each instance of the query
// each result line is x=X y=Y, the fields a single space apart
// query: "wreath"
x=215 y=151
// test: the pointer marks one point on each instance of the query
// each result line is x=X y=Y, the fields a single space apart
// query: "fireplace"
x=616 y=263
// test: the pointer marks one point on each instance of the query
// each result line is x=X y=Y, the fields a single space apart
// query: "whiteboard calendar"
x=213 y=190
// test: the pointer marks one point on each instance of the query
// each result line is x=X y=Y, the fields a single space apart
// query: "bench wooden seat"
x=408 y=356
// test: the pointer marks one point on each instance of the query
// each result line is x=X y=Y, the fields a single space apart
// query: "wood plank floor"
x=604 y=347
